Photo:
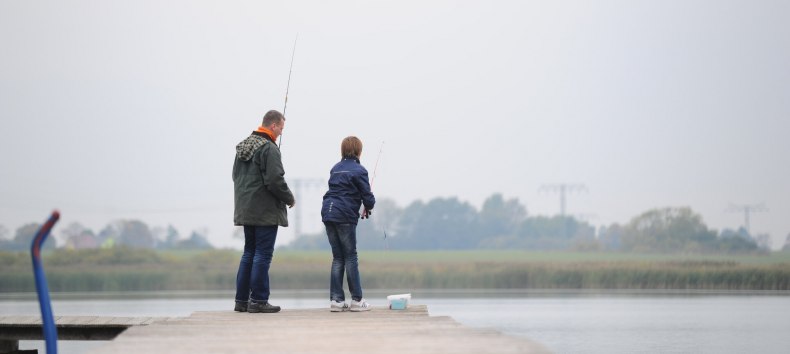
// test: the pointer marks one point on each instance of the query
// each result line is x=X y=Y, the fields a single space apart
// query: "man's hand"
x=366 y=214
x=292 y=204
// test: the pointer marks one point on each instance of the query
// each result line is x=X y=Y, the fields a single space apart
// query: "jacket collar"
x=351 y=158
x=263 y=133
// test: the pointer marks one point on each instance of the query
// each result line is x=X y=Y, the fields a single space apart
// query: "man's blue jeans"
x=343 y=239
x=253 y=272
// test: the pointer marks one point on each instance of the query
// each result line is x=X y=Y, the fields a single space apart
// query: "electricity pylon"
x=747 y=209
x=300 y=184
x=562 y=189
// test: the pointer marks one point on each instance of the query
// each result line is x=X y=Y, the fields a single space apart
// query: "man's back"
x=260 y=190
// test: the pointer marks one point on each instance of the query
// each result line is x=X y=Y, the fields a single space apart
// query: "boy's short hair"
x=351 y=146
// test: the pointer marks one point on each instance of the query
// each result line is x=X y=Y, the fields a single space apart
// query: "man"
x=260 y=197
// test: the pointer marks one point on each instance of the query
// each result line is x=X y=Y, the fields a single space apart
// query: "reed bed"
x=123 y=269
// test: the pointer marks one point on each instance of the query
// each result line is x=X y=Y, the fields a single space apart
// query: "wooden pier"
x=16 y=328
x=315 y=331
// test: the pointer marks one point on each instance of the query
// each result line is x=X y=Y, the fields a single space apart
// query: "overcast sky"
x=132 y=109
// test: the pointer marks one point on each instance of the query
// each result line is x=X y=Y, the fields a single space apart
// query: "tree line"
x=451 y=224
x=126 y=233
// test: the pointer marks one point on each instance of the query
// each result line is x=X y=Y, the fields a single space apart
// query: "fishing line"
x=375 y=169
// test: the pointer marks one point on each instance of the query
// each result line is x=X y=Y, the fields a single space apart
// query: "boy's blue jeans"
x=343 y=239
x=252 y=280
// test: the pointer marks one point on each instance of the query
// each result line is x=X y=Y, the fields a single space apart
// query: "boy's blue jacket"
x=348 y=189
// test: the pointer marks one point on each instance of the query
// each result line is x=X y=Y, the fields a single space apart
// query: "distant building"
x=84 y=240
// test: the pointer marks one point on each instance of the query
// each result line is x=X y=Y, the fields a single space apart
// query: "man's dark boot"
x=240 y=306
x=265 y=307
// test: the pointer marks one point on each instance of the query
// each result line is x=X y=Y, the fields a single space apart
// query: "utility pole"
x=562 y=189
x=299 y=185
x=747 y=209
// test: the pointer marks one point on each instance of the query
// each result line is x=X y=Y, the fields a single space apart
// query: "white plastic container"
x=398 y=302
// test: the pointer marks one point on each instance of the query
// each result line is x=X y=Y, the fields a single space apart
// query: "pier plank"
x=316 y=331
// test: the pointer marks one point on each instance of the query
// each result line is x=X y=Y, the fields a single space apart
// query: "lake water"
x=564 y=322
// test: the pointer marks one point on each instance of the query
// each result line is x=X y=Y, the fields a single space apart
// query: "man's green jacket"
x=260 y=191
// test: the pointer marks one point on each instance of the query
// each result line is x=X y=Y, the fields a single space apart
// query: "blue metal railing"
x=47 y=320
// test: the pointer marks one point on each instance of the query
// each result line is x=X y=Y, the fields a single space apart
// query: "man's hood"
x=246 y=148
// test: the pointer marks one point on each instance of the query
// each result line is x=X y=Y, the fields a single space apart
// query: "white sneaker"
x=359 y=306
x=338 y=306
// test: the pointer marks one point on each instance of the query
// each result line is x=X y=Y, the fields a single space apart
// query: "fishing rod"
x=373 y=179
x=376 y=167
x=288 y=86
x=365 y=213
